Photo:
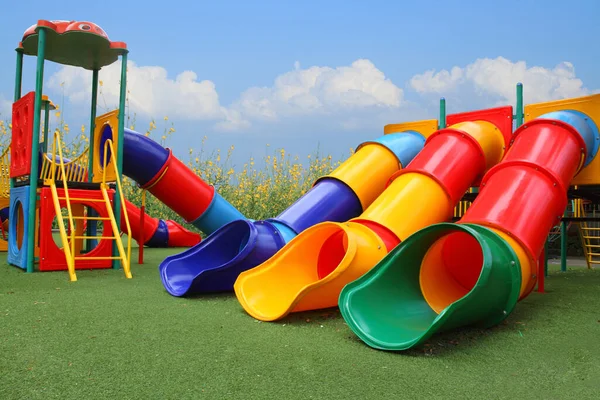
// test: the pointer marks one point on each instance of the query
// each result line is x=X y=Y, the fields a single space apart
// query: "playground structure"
x=436 y=275
x=373 y=237
x=85 y=194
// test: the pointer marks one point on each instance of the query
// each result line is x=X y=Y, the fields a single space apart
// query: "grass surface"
x=108 y=337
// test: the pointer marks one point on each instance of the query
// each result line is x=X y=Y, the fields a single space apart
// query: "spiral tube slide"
x=310 y=271
x=474 y=272
x=214 y=264
x=155 y=169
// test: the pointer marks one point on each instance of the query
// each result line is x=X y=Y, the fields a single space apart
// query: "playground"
x=417 y=266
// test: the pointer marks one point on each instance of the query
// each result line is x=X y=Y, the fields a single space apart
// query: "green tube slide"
x=386 y=307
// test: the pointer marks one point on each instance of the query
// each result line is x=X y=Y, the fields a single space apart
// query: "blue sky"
x=306 y=73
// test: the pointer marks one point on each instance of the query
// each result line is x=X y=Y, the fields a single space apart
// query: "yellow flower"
x=100 y=83
x=166 y=118
x=82 y=128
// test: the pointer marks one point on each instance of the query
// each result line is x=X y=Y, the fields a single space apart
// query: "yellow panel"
x=367 y=172
x=589 y=105
x=109 y=119
x=425 y=127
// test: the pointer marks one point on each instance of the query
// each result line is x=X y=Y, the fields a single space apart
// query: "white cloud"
x=497 y=78
x=320 y=90
x=350 y=97
x=151 y=92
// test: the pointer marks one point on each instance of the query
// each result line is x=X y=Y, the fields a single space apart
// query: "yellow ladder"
x=589 y=233
x=68 y=241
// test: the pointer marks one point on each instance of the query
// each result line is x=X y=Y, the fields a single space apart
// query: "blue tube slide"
x=214 y=264
x=143 y=161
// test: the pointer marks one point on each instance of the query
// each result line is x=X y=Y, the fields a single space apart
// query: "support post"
x=546 y=258
x=19 y=74
x=46 y=125
x=91 y=228
x=520 y=114
x=18 y=82
x=120 y=135
x=563 y=245
x=442 y=122
x=141 y=235
x=33 y=177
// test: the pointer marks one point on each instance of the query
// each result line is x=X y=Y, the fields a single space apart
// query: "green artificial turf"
x=108 y=337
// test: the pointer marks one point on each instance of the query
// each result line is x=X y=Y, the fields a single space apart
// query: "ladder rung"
x=94 y=218
x=592 y=245
x=593 y=254
x=591 y=237
x=97 y=258
x=95 y=237
x=589 y=229
x=82 y=199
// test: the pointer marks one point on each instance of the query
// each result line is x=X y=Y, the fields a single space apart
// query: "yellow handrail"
x=76 y=169
x=125 y=260
x=69 y=251
x=5 y=173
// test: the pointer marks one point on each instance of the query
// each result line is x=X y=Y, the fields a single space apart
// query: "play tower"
x=44 y=185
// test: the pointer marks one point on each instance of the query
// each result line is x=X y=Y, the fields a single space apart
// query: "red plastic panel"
x=499 y=116
x=22 y=135
x=182 y=190
x=52 y=258
x=454 y=160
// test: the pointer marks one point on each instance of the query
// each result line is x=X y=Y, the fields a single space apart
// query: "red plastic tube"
x=452 y=158
x=525 y=194
x=180 y=189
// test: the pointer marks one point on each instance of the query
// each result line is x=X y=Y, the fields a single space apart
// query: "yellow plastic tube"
x=368 y=171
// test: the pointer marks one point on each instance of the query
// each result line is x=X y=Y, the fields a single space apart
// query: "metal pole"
x=18 y=81
x=141 y=234
x=520 y=114
x=442 y=122
x=46 y=127
x=563 y=246
x=19 y=74
x=122 y=99
x=546 y=258
x=33 y=176
x=92 y=124
x=92 y=224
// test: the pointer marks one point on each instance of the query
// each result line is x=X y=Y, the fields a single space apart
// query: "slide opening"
x=107 y=133
x=20 y=225
x=450 y=269
x=216 y=251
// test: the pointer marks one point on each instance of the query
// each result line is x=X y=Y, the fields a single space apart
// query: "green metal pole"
x=92 y=124
x=33 y=177
x=18 y=81
x=92 y=225
x=546 y=258
x=19 y=74
x=46 y=125
x=442 y=122
x=563 y=246
x=520 y=113
x=119 y=150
